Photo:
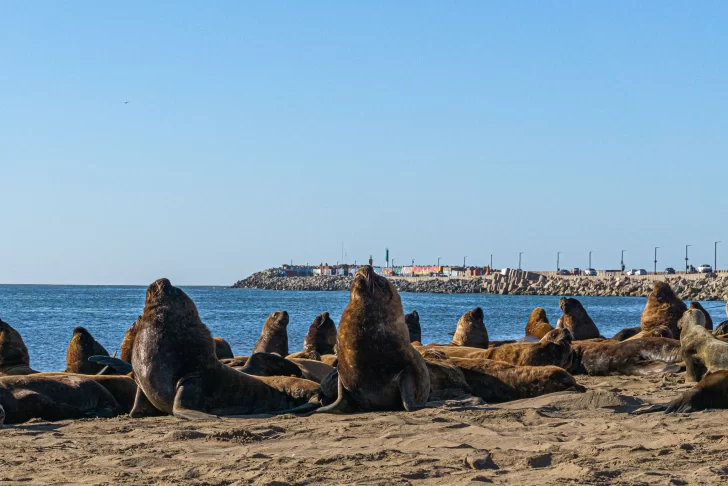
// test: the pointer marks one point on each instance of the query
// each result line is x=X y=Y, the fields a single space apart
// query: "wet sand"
x=563 y=438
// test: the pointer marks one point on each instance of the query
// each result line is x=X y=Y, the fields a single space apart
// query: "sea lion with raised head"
x=639 y=357
x=377 y=366
x=54 y=398
x=538 y=324
x=413 y=326
x=471 y=331
x=663 y=308
x=274 y=336
x=80 y=349
x=576 y=320
x=176 y=368
x=708 y=319
x=14 y=357
x=702 y=352
x=321 y=336
x=223 y=349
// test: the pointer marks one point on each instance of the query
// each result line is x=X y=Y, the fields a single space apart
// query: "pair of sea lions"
x=702 y=352
x=320 y=338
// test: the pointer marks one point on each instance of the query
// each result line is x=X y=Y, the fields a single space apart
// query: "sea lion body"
x=538 y=323
x=14 y=357
x=447 y=382
x=127 y=343
x=223 y=349
x=710 y=392
x=122 y=388
x=274 y=336
x=576 y=320
x=702 y=352
x=321 y=336
x=82 y=346
x=663 y=308
x=378 y=367
x=413 y=326
x=661 y=331
x=471 y=331
x=176 y=368
x=627 y=333
x=312 y=369
x=54 y=398
x=632 y=357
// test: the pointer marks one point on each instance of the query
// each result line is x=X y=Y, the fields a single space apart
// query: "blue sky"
x=262 y=132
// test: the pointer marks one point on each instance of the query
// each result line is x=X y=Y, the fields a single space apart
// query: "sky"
x=258 y=133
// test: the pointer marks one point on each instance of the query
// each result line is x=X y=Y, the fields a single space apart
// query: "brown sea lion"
x=661 y=331
x=701 y=351
x=470 y=330
x=223 y=349
x=538 y=324
x=413 y=326
x=627 y=333
x=553 y=349
x=663 y=308
x=14 y=357
x=632 y=357
x=576 y=320
x=708 y=319
x=54 y=398
x=274 y=336
x=123 y=388
x=312 y=369
x=176 y=368
x=378 y=367
x=269 y=364
x=321 y=337
x=82 y=346
x=330 y=359
x=710 y=392
x=447 y=382
x=127 y=343
x=721 y=329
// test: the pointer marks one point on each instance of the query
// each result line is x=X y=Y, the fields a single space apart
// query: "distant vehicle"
x=590 y=272
x=563 y=271
x=669 y=271
x=575 y=271
x=705 y=268
x=632 y=272
x=641 y=271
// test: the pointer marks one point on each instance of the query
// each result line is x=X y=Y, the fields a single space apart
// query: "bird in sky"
x=125 y=102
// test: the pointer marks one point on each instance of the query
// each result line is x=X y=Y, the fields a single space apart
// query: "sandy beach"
x=561 y=438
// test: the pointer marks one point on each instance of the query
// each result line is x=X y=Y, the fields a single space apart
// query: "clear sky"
x=262 y=132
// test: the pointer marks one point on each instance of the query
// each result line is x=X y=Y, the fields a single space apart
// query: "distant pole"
x=590 y=252
x=715 y=257
x=519 y=261
x=686 y=257
x=623 y=260
x=464 y=261
x=558 y=253
x=392 y=263
x=342 y=252
x=656 y=259
x=438 y=263
x=413 y=262
x=491 y=262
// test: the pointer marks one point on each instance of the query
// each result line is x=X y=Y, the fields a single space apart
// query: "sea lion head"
x=708 y=319
x=413 y=326
x=368 y=287
x=471 y=330
x=278 y=319
x=538 y=315
x=223 y=349
x=12 y=347
x=164 y=300
x=691 y=317
x=558 y=335
x=570 y=305
x=663 y=292
x=82 y=346
x=321 y=336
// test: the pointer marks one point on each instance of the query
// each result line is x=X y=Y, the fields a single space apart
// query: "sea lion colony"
x=169 y=363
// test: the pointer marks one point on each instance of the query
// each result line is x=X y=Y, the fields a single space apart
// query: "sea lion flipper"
x=408 y=389
x=342 y=403
x=186 y=401
x=142 y=406
x=120 y=366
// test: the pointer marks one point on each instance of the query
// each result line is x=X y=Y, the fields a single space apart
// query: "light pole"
x=438 y=264
x=623 y=260
x=715 y=257
x=686 y=257
x=519 y=261
x=464 y=261
x=558 y=253
x=590 y=252
x=655 y=272
x=491 y=262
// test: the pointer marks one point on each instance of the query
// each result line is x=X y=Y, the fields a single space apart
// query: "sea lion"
x=127 y=343
x=721 y=329
x=176 y=368
x=661 y=331
x=538 y=324
x=413 y=326
x=274 y=336
x=123 y=388
x=710 y=392
x=223 y=349
x=626 y=333
x=378 y=367
x=632 y=357
x=82 y=346
x=471 y=331
x=14 y=357
x=269 y=364
x=321 y=337
x=54 y=398
x=663 y=308
x=447 y=382
x=553 y=349
x=311 y=369
x=708 y=319
x=576 y=320
x=701 y=351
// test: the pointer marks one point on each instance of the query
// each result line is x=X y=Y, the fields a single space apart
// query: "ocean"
x=45 y=315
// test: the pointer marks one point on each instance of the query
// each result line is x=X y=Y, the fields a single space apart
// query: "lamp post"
x=464 y=261
x=655 y=272
x=558 y=253
x=491 y=262
x=686 y=257
x=438 y=263
x=519 y=261
x=623 y=260
x=590 y=252
x=715 y=257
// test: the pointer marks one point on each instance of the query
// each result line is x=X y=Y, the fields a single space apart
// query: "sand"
x=563 y=438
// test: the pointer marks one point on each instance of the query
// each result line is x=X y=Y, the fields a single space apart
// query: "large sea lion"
x=223 y=349
x=80 y=349
x=274 y=336
x=708 y=319
x=176 y=368
x=576 y=320
x=710 y=392
x=413 y=326
x=14 y=357
x=701 y=351
x=54 y=398
x=123 y=388
x=663 y=308
x=631 y=357
x=538 y=324
x=470 y=330
x=378 y=367
x=321 y=336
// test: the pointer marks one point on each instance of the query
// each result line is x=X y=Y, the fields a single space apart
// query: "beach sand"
x=563 y=438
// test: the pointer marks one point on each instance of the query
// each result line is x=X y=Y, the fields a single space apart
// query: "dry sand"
x=564 y=438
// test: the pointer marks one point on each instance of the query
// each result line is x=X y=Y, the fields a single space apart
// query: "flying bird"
x=125 y=102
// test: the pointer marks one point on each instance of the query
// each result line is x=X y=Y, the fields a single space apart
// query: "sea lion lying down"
x=632 y=357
